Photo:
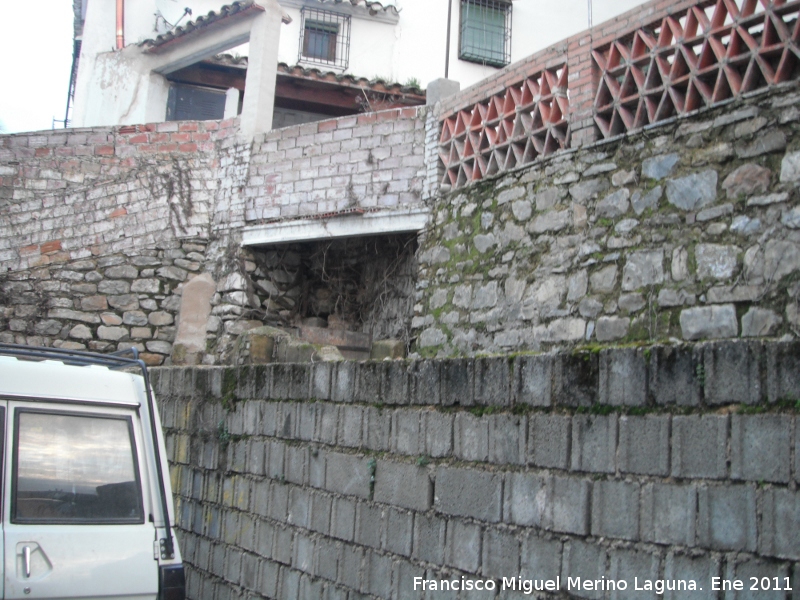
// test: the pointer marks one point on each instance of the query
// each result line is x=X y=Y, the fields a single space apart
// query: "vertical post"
x=447 y=48
x=582 y=89
x=262 y=71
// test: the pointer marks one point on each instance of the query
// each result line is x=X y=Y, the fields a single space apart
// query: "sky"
x=35 y=60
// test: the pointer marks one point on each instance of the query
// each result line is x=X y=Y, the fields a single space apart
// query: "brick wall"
x=368 y=161
x=349 y=480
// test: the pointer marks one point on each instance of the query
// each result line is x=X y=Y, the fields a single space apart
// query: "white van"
x=87 y=502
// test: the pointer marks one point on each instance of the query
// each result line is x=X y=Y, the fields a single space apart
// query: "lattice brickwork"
x=709 y=53
x=509 y=130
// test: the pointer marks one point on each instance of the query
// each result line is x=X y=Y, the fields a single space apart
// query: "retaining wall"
x=350 y=480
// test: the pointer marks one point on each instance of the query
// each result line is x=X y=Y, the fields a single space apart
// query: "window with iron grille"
x=325 y=38
x=485 y=32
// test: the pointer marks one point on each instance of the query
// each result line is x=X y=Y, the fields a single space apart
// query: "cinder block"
x=780 y=523
x=369 y=381
x=745 y=569
x=699 y=446
x=689 y=567
x=668 y=514
x=783 y=370
x=286 y=420
x=282 y=548
x=378 y=426
x=468 y=493
x=350 y=426
x=526 y=499
x=492 y=381
x=328 y=423
x=507 y=439
x=623 y=377
x=541 y=557
x=673 y=375
x=429 y=537
x=343 y=386
x=316 y=467
x=732 y=372
x=569 y=502
x=303 y=555
x=457 y=382
x=327 y=559
x=299 y=507
x=399 y=531
x=500 y=553
x=278 y=501
x=321 y=505
x=471 y=437
x=644 y=444
x=296 y=464
x=395 y=384
x=615 y=509
x=594 y=443
x=761 y=447
x=311 y=588
x=343 y=518
x=378 y=576
x=406 y=431
x=403 y=579
x=575 y=379
x=629 y=564
x=268 y=578
x=549 y=440
x=438 y=433
x=300 y=382
x=321 y=381
x=584 y=560
x=425 y=378
x=463 y=546
x=346 y=474
x=404 y=485
x=727 y=518
x=350 y=566
x=369 y=525
x=307 y=420
x=533 y=380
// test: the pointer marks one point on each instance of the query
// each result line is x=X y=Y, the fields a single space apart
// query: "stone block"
x=403 y=485
x=709 y=322
x=668 y=514
x=748 y=569
x=533 y=380
x=468 y=493
x=549 y=440
x=615 y=509
x=575 y=379
x=644 y=445
x=623 y=377
x=609 y=329
x=429 y=538
x=761 y=448
x=659 y=167
x=699 y=446
x=587 y=561
x=457 y=382
x=438 y=434
x=463 y=546
x=471 y=437
x=780 y=523
x=500 y=554
x=346 y=474
x=383 y=349
x=492 y=381
x=727 y=518
x=693 y=192
x=643 y=268
x=733 y=373
x=594 y=443
x=673 y=375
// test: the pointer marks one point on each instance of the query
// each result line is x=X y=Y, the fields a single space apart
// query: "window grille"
x=485 y=32
x=324 y=38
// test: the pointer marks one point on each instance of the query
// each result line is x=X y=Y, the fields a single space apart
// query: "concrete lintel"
x=359 y=11
x=306 y=230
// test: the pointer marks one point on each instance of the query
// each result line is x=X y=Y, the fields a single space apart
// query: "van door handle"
x=26 y=559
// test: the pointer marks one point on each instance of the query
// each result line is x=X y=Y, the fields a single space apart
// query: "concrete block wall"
x=370 y=161
x=349 y=480
x=689 y=230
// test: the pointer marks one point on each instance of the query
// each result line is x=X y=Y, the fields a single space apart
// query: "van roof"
x=55 y=380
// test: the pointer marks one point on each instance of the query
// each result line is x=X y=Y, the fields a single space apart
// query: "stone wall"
x=349 y=480
x=688 y=230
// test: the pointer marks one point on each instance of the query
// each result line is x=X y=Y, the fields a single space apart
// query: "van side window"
x=75 y=468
